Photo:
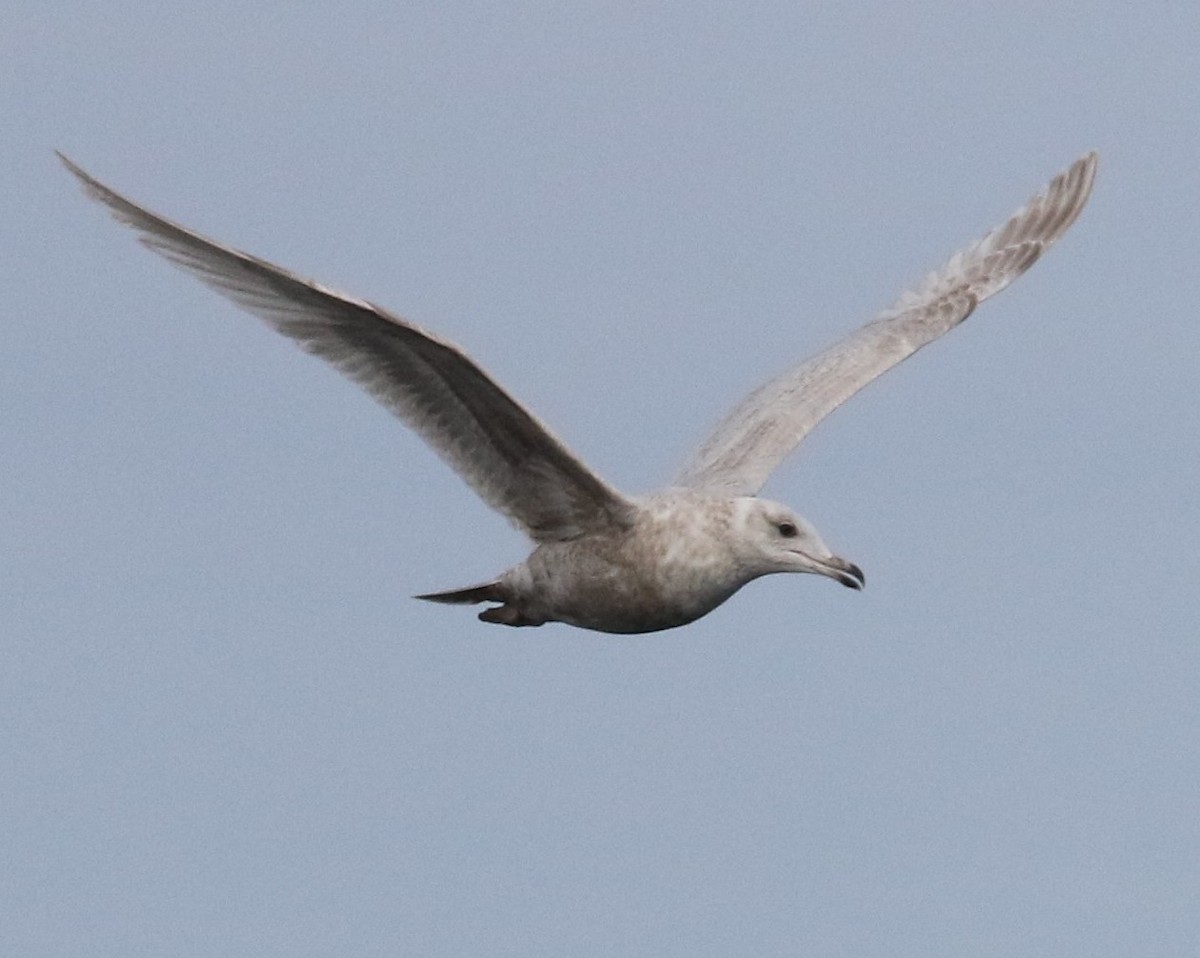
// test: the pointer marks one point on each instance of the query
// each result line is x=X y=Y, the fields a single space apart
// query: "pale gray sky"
x=227 y=729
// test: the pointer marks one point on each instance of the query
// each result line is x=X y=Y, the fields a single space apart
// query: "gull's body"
x=669 y=567
x=604 y=560
x=683 y=553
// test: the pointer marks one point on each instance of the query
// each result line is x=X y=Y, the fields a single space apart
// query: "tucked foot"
x=507 y=615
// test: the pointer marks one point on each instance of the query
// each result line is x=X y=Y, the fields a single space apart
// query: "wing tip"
x=89 y=182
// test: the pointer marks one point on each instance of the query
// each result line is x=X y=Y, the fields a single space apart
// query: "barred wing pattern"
x=509 y=458
x=767 y=425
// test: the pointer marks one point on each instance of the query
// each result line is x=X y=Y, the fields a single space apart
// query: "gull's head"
x=772 y=538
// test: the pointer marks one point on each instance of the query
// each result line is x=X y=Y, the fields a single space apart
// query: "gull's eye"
x=788 y=530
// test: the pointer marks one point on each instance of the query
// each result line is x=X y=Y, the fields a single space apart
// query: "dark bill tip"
x=851 y=576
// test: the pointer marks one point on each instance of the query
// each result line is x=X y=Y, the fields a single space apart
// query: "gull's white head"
x=772 y=538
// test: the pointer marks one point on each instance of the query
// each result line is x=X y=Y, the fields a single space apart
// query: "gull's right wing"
x=509 y=458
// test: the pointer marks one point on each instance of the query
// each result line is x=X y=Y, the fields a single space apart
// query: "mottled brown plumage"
x=604 y=560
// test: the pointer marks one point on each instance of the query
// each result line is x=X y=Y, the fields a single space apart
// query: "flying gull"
x=604 y=560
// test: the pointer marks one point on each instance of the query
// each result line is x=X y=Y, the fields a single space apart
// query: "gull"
x=604 y=560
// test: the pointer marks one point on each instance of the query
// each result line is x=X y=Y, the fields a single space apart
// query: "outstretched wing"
x=509 y=458
x=767 y=425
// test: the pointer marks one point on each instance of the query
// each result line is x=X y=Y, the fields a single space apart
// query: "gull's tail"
x=488 y=592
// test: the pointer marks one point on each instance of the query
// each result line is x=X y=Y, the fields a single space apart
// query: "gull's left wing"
x=768 y=424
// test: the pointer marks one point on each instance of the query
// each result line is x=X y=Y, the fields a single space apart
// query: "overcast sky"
x=228 y=731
